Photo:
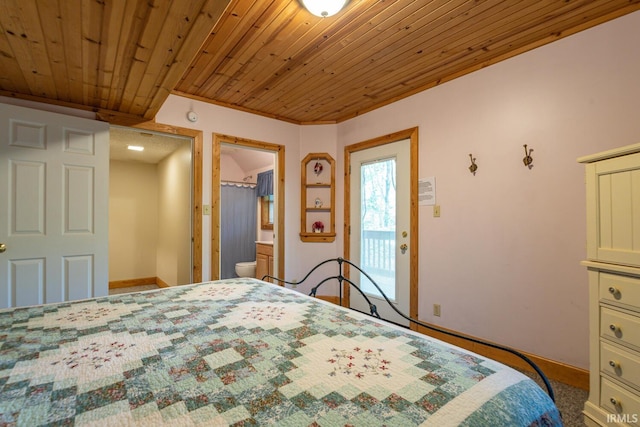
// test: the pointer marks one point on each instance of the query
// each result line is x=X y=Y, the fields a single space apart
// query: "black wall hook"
x=527 y=160
x=473 y=168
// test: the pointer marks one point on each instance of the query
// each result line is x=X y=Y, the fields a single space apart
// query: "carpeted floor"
x=570 y=400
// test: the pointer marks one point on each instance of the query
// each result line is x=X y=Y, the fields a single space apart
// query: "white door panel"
x=54 y=196
x=376 y=243
x=27 y=188
x=27 y=283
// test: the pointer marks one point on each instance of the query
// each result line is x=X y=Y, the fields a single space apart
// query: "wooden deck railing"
x=378 y=252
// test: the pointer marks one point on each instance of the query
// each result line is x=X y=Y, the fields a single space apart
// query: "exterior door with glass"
x=380 y=215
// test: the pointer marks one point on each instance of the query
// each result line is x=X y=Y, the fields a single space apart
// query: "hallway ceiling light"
x=135 y=147
x=324 y=8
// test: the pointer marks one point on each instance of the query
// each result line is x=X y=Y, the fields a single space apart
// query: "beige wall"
x=133 y=220
x=174 y=221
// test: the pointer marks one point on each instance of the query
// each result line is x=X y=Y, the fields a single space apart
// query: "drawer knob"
x=614 y=328
x=613 y=290
x=614 y=401
x=614 y=364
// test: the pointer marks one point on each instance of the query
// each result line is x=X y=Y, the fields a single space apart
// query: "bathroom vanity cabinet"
x=264 y=260
x=317 y=215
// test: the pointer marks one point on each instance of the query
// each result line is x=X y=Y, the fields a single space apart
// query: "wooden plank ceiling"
x=118 y=58
x=270 y=57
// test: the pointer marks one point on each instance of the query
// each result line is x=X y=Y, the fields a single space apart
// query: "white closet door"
x=54 y=173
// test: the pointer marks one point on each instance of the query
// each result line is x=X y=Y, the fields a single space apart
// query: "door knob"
x=404 y=247
x=3 y=247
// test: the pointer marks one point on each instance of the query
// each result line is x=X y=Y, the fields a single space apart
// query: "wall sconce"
x=527 y=160
x=324 y=8
x=473 y=168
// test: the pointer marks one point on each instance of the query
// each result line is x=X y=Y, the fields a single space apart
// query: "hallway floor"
x=127 y=290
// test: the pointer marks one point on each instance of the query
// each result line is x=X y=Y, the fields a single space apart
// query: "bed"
x=244 y=352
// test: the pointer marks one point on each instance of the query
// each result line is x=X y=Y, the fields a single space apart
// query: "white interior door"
x=54 y=173
x=380 y=223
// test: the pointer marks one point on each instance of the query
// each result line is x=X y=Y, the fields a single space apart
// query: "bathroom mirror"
x=266 y=214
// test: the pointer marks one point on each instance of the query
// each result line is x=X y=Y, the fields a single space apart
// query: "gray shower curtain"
x=238 y=217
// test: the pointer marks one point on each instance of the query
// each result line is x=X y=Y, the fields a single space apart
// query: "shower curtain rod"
x=225 y=181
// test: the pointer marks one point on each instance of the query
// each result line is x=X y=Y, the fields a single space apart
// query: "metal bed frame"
x=374 y=312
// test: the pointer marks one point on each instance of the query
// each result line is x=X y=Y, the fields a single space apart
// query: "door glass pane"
x=378 y=226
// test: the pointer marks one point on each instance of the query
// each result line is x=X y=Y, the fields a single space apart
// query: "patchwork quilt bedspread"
x=244 y=352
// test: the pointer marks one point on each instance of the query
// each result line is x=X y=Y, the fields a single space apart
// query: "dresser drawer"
x=617 y=289
x=620 y=401
x=620 y=364
x=620 y=327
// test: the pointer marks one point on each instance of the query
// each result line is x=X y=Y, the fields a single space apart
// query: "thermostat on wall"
x=192 y=116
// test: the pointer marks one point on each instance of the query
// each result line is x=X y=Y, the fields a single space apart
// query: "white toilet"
x=246 y=269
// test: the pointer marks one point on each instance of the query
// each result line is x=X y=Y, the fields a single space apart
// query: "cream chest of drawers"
x=613 y=264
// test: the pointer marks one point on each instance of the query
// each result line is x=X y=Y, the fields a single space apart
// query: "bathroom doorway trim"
x=278 y=150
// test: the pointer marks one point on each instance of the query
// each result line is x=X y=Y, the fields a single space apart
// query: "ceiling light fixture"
x=135 y=147
x=324 y=8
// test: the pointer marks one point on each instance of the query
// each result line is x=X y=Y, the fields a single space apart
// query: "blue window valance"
x=264 y=186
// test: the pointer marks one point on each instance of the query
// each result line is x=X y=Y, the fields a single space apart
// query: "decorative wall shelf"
x=317 y=198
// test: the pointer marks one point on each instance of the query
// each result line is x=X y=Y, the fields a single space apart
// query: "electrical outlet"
x=436 y=310
x=294 y=283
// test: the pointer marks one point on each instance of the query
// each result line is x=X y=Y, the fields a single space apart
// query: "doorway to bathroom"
x=247 y=214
